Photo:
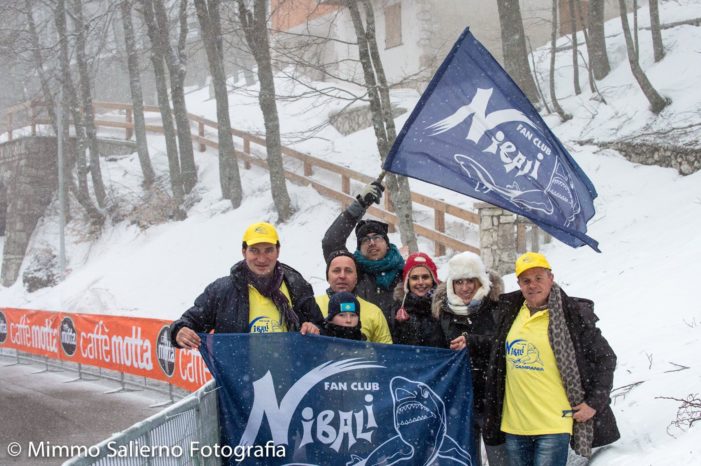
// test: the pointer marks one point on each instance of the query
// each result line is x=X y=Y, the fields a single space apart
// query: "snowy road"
x=40 y=411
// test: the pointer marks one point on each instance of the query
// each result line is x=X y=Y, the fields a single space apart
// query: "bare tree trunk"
x=383 y=121
x=575 y=50
x=513 y=43
x=210 y=25
x=657 y=102
x=176 y=62
x=39 y=66
x=137 y=97
x=635 y=31
x=157 y=58
x=86 y=101
x=598 y=58
x=657 y=44
x=69 y=95
x=255 y=29
x=553 y=53
x=535 y=77
x=590 y=74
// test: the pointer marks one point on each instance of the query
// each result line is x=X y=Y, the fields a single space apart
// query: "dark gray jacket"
x=223 y=306
x=595 y=359
x=479 y=326
x=335 y=240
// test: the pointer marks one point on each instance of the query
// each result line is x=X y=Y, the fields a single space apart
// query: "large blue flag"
x=288 y=399
x=475 y=132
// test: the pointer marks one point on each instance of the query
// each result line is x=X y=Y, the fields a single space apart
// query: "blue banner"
x=475 y=132
x=289 y=399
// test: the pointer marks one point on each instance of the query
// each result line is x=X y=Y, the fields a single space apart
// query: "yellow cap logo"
x=261 y=232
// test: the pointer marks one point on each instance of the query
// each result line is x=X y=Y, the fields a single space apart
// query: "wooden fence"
x=32 y=114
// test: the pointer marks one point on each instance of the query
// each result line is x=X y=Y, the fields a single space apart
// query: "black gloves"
x=371 y=193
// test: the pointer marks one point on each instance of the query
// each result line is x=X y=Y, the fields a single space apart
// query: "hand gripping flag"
x=475 y=132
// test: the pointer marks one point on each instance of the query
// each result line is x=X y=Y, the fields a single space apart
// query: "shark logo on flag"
x=475 y=132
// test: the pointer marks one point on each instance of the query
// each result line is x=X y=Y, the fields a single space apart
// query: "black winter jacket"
x=223 y=306
x=422 y=329
x=596 y=362
x=480 y=327
x=335 y=239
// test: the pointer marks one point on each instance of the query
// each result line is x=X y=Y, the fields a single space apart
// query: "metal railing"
x=127 y=382
x=166 y=438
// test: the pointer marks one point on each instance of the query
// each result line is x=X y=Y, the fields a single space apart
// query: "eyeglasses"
x=371 y=239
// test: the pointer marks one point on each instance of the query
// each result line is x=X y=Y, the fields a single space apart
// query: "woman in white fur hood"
x=465 y=306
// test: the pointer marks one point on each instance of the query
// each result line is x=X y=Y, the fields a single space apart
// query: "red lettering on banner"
x=125 y=344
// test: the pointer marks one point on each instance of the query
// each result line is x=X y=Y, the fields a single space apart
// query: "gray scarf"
x=561 y=342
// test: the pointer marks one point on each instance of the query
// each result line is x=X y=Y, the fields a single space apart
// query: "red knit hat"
x=419 y=259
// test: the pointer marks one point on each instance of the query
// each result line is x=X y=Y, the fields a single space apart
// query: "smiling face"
x=342 y=274
x=261 y=258
x=535 y=285
x=420 y=281
x=373 y=246
x=465 y=288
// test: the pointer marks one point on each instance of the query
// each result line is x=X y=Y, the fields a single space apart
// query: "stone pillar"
x=497 y=238
x=31 y=164
x=504 y=236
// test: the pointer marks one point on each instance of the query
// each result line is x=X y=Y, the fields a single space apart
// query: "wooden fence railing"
x=30 y=114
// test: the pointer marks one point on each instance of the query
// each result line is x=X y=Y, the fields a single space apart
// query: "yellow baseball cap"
x=261 y=232
x=531 y=260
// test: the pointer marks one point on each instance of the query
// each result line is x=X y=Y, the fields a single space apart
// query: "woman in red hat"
x=411 y=319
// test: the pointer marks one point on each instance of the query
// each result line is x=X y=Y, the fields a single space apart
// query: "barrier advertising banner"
x=288 y=399
x=133 y=345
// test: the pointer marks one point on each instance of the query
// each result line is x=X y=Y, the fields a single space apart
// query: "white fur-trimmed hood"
x=496 y=287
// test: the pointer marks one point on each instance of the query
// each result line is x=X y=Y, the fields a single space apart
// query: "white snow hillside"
x=648 y=224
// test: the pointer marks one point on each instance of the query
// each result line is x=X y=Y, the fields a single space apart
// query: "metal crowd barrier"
x=166 y=438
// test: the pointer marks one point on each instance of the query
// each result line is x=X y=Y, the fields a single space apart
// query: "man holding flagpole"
x=379 y=262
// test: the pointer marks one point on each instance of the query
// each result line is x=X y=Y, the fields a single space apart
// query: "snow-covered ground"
x=648 y=221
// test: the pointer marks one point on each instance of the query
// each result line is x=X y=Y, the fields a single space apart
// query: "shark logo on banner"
x=475 y=132
x=386 y=404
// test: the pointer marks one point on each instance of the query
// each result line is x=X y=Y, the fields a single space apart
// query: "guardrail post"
x=200 y=133
x=439 y=224
x=308 y=169
x=345 y=184
x=130 y=119
x=247 y=151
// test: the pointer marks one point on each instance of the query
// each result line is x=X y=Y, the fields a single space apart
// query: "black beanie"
x=364 y=227
x=343 y=301
x=339 y=253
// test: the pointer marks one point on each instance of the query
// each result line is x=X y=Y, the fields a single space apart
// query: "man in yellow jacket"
x=342 y=275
